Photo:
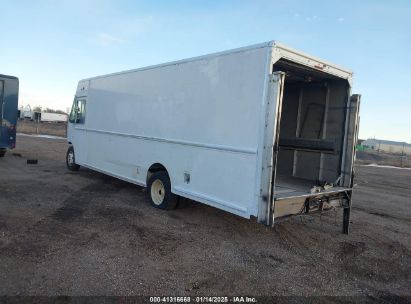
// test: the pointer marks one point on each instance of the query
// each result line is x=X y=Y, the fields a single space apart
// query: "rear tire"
x=71 y=160
x=159 y=191
x=2 y=152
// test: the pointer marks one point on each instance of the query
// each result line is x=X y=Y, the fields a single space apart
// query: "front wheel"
x=159 y=191
x=2 y=152
x=71 y=160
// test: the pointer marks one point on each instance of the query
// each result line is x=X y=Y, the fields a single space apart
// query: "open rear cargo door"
x=351 y=137
x=1 y=110
x=270 y=147
x=352 y=126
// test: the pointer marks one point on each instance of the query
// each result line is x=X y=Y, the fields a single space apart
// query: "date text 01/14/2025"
x=203 y=299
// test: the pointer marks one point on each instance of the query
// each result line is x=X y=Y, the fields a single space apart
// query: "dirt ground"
x=84 y=233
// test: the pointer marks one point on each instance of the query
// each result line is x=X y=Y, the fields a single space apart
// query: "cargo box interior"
x=311 y=129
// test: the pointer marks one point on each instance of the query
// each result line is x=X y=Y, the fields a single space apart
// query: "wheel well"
x=155 y=168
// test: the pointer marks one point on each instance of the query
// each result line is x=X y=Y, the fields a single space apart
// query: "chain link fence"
x=43 y=128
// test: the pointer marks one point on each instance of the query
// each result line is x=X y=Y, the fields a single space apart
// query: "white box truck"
x=262 y=131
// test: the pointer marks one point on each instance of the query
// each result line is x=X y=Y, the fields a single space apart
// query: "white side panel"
x=199 y=117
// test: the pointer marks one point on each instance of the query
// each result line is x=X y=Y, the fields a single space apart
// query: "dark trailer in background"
x=9 y=91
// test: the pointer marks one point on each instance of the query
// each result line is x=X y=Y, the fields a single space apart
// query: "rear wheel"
x=2 y=152
x=159 y=191
x=71 y=160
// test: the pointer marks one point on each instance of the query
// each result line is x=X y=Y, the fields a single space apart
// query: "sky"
x=51 y=45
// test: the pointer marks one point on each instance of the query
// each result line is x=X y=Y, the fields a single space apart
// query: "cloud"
x=126 y=30
x=133 y=27
x=311 y=18
x=341 y=19
x=105 y=39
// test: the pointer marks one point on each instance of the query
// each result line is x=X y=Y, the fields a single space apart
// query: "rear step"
x=300 y=194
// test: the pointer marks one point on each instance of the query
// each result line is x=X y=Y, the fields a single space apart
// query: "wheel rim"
x=70 y=158
x=158 y=192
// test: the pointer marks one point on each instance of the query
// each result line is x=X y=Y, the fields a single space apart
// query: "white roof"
x=284 y=51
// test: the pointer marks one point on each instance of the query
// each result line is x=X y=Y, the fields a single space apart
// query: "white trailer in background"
x=262 y=131
x=53 y=117
x=26 y=112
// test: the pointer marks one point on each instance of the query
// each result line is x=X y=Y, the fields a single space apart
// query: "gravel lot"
x=84 y=233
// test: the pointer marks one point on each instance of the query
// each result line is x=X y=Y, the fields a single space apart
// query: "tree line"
x=48 y=110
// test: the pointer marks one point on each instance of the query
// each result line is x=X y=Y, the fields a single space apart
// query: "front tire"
x=2 y=152
x=159 y=191
x=71 y=160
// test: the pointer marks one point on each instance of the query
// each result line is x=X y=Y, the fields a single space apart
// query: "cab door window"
x=78 y=112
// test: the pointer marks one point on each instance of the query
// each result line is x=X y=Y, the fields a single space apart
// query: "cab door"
x=77 y=129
